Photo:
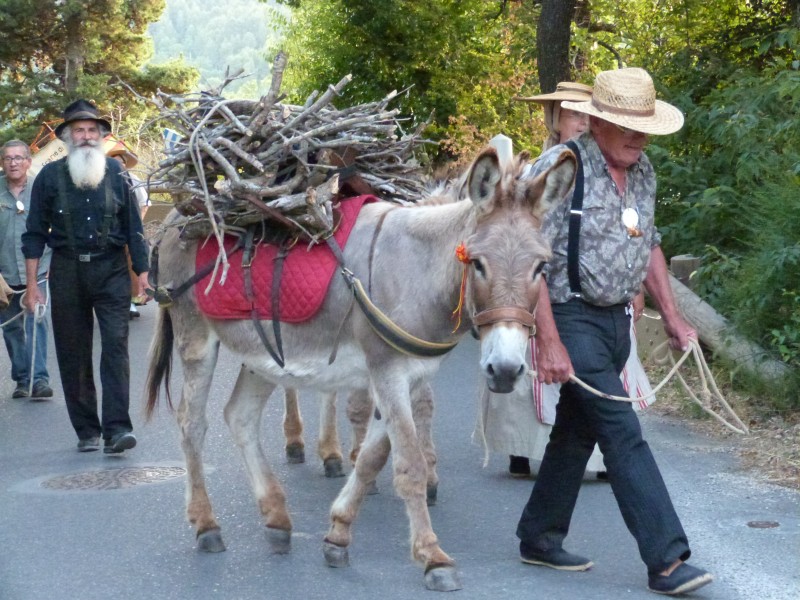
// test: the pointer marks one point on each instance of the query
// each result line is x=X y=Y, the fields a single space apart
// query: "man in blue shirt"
x=21 y=332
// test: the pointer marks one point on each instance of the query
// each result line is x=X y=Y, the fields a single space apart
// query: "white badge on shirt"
x=20 y=207
x=630 y=219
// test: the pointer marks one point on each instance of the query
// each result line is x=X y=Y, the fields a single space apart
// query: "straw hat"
x=114 y=147
x=565 y=90
x=81 y=110
x=627 y=97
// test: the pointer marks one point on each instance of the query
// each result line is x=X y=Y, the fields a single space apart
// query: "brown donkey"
x=416 y=281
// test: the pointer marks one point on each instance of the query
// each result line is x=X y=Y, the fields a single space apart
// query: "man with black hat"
x=605 y=245
x=81 y=206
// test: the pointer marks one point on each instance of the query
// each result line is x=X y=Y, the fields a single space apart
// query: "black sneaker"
x=555 y=558
x=21 y=391
x=89 y=444
x=519 y=466
x=41 y=390
x=119 y=443
x=684 y=579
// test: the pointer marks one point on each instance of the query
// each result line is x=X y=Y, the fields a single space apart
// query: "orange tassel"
x=463 y=256
x=461 y=253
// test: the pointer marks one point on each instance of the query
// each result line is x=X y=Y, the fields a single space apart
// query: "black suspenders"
x=574 y=235
x=108 y=214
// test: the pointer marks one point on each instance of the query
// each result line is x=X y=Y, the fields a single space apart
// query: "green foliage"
x=463 y=61
x=55 y=52
x=732 y=181
x=213 y=37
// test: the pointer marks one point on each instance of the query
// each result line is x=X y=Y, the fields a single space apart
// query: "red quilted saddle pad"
x=307 y=274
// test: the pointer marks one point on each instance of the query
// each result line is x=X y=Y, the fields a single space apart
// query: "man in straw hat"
x=81 y=206
x=604 y=246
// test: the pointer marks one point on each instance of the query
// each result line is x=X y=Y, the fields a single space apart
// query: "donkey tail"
x=160 y=362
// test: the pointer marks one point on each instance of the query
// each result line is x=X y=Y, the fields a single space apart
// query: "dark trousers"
x=79 y=289
x=598 y=342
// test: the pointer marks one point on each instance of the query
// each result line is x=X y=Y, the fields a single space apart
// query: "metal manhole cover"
x=113 y=479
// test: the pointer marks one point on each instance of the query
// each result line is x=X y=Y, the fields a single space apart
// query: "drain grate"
x=113 y=479
x=763 y=524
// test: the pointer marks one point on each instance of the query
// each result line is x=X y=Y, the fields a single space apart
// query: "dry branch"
x=243 y=162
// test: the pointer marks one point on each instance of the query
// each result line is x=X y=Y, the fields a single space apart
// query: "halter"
x=506 y=314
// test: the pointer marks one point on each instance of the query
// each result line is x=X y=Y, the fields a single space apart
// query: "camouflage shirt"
x=612 y=263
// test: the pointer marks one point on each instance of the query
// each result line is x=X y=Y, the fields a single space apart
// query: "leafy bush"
x=730 y=192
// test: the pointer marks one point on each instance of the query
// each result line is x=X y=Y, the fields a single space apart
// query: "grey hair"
x=17 y=143
x=67 y=139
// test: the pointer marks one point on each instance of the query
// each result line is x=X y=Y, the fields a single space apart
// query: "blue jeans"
x=598 y=342
x=18 y=337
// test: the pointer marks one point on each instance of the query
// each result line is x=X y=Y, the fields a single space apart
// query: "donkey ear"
x=483 y=177
x=551 y=186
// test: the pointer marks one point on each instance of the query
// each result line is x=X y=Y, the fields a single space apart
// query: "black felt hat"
x=81 y=110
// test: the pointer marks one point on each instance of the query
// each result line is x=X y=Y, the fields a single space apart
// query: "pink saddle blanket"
x=304 y=282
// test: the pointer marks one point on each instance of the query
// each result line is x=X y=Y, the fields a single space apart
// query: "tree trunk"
x=552 y=42
x=73 y=70
x=715 y=331
x=794 y=8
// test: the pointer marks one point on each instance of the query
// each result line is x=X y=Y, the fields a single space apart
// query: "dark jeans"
x=77 y=289
x=18 y=336
x=598 y=342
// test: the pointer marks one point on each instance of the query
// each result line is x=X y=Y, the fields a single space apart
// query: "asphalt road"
x=69 y=528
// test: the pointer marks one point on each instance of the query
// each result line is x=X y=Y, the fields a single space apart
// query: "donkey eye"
x=539 y=269
x=478 y=266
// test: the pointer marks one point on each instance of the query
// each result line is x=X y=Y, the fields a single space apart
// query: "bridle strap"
x=510 y=314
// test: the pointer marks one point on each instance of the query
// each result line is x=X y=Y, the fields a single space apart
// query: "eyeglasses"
x=15 y=159
x=626 y=131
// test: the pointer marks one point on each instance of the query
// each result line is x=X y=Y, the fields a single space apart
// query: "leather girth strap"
x=247 y=260
x=387 y=330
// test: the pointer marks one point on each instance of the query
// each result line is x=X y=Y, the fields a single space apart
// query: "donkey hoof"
x=333 y=467
x=442 y=579
x=280 y=540
x=295 y=454
x=432 y=492
x=210 y=541
x=335 y=556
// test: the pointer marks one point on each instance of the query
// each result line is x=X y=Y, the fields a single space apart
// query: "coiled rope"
x=39 y=312
x=709 y=390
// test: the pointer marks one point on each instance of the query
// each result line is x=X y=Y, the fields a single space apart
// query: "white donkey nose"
x=503 y=357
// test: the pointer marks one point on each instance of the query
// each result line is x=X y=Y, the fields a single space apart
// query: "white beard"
x=87 y=166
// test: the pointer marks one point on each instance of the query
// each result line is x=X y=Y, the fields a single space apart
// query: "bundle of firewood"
x=241 y=162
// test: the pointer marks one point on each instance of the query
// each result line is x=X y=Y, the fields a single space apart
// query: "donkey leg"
x=243 y=416
x=422 y=408
x=198 y=356
x=410 y=480
x=359 y=412
x=329 y=448
x=293 y=427
x=371 y=459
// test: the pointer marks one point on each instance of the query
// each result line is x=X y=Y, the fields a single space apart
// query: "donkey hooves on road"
x=295 y=454
x=442 y=579
x=372 y=488
x=333 y=467
x=335 y=556
x=280 y=540
x=210 y=541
